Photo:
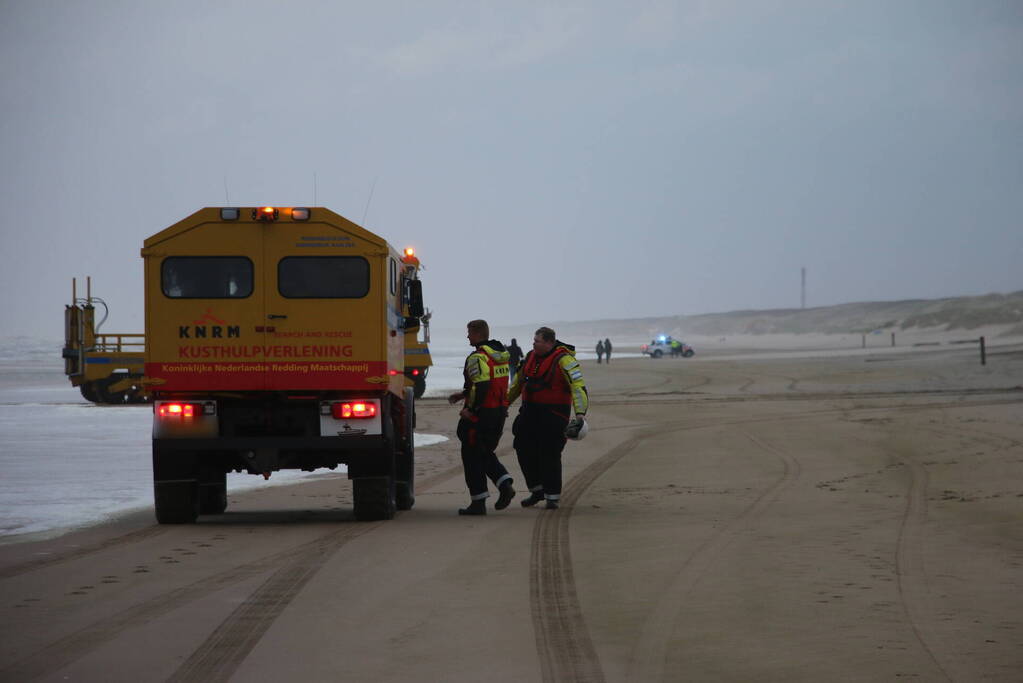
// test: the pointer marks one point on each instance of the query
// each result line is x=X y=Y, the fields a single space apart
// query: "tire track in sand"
x=57 y=558
x=74 y=646
x=647 y=661
x=563 y=641
x=227 y=647
x=909 y=568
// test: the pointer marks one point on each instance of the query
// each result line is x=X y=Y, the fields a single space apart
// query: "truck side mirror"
x=415 y=298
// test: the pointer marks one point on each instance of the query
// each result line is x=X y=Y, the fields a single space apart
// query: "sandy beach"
x=811 y=516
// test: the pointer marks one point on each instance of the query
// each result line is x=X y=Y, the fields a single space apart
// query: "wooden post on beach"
x=983 y=352
x=893 y=340
x=864 y=341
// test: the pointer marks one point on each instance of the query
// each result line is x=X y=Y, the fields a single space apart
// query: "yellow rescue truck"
x=106 y=368
x=275 y=339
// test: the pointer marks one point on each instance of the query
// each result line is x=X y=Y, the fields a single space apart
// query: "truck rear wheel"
x=656 y=354
x=688 y=353
x=374 y=498
x=212 y=493
x=175 y=486
x=176 y=502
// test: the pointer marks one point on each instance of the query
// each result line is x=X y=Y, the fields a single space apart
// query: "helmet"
x=576 y=429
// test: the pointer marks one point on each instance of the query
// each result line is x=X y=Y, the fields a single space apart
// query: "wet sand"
x=772 y=519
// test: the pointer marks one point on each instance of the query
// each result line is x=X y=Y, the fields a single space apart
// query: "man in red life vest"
x=551 y=384
x=484 y=409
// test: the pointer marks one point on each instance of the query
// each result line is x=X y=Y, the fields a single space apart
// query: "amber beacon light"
x=265 y=213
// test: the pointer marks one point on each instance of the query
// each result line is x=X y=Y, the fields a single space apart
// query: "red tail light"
x=177 y=410
x=354 y=409
x=415 y=372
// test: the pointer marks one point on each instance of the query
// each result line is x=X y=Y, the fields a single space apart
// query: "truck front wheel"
x=405 y=458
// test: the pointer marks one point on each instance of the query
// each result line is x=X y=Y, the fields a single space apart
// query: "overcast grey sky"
x=550 y=161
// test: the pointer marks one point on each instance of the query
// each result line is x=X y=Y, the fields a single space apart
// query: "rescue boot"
x=476 y=507
x=534 y=498
x=505 y=496
x=551 y=504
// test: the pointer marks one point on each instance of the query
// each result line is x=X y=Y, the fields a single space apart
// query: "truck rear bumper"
x=331 y=444
x=188 y=459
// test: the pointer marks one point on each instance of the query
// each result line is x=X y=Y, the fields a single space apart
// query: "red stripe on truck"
x=264 y=375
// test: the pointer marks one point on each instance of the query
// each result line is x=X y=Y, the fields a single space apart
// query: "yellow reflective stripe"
x=574 y=377
x=516 y=388
x=482 y=370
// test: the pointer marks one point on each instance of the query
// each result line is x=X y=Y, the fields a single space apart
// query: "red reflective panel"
x=346 y=411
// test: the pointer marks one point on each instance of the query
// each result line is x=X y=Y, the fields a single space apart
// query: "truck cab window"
x=323 y=277
x=206 y=277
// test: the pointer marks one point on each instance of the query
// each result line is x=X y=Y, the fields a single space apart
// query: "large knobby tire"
x=373 y=493
x=420 y=385
x=689 y=353
x=104 y=392
x=175 y=487
x=212 y=493
x=656 y=354
x=176 y=502
x=373 y=498
x=88 y=390
x=405 y=458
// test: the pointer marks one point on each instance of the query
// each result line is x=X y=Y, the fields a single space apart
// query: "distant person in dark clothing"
x=607 y=350
x=600 y=351
x=514 y=359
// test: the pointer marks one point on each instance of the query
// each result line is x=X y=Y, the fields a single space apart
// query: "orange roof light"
x=410 y=256
x=409 y=251
x=265 y=213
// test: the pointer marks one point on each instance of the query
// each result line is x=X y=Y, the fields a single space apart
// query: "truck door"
x=204 y=305
x=323 y=314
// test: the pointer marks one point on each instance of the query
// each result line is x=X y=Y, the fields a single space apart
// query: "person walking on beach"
x=481 y=419
x=551 y=385
x=607 y=350
x=514 y=359
x=600 y=351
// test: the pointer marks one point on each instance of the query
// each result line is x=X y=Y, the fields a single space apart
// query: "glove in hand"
x=574 y=425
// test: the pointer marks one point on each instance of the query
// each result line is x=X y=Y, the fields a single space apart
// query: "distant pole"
x=864 y=341
x=802 y=289
x=983 y=352
x=893 y=339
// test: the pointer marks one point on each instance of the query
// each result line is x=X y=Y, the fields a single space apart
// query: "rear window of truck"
x=206 y=277
x=323 y=277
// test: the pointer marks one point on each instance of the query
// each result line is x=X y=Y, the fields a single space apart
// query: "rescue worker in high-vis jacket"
x=551 y=384
x=484 y=409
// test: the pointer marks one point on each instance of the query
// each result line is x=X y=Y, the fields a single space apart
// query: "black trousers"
x=539 y=432
x=479 y=451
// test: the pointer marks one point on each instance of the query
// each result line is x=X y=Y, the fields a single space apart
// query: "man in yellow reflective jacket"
x=481 y=419
x=551 y=384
